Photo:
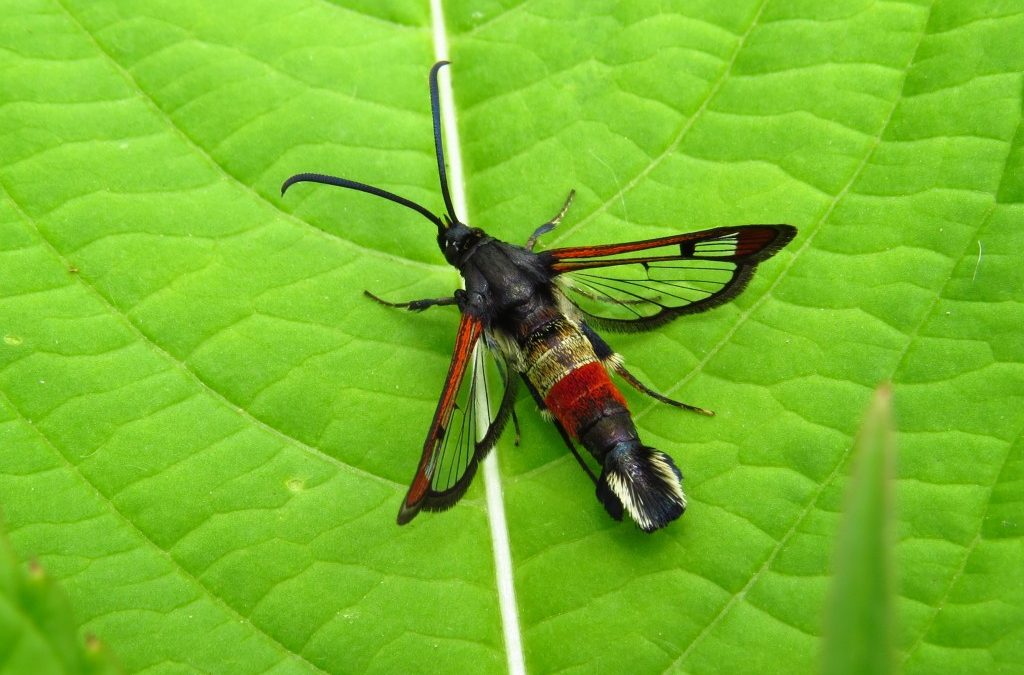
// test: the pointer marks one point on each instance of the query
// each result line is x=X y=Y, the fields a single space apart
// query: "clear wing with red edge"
x=451 y=452
x=643 y=284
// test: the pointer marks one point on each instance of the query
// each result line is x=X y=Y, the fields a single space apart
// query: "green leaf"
x=38 y=633
x=858 y=621
x=205 y=429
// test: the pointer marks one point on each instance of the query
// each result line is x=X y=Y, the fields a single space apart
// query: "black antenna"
x=363 y=187
x=435 y=111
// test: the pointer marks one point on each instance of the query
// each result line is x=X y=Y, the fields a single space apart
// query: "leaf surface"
x=206 y=430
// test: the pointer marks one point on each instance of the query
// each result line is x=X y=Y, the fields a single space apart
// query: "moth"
x=536 y=312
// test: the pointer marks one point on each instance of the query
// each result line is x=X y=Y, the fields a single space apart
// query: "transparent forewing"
x=475 y=404
x=629 y=292
x=642 y=284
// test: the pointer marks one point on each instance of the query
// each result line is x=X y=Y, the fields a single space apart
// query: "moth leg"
x=614 y=362
x=414 y=305
x=551 y=224
x=561 y=432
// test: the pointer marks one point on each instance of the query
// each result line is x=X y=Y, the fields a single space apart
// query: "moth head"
x=456 y=240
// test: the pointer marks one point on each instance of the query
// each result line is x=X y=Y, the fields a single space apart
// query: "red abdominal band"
x=581 y=396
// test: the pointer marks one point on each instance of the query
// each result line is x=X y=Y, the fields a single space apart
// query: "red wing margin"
x=643 y=284
x=451 y=451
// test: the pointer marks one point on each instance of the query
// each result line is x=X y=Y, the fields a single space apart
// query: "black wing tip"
x=406 y=513
x=431 y=504
x=435 y=502
x=786 y=234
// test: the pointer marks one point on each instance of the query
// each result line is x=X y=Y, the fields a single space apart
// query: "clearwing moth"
x=536 y=312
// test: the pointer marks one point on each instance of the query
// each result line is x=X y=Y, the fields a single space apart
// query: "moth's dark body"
x=505 y=284
x=533 y=310
x=513 y=290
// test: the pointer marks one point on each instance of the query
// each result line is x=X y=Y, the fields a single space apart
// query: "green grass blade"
x=859 y=630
